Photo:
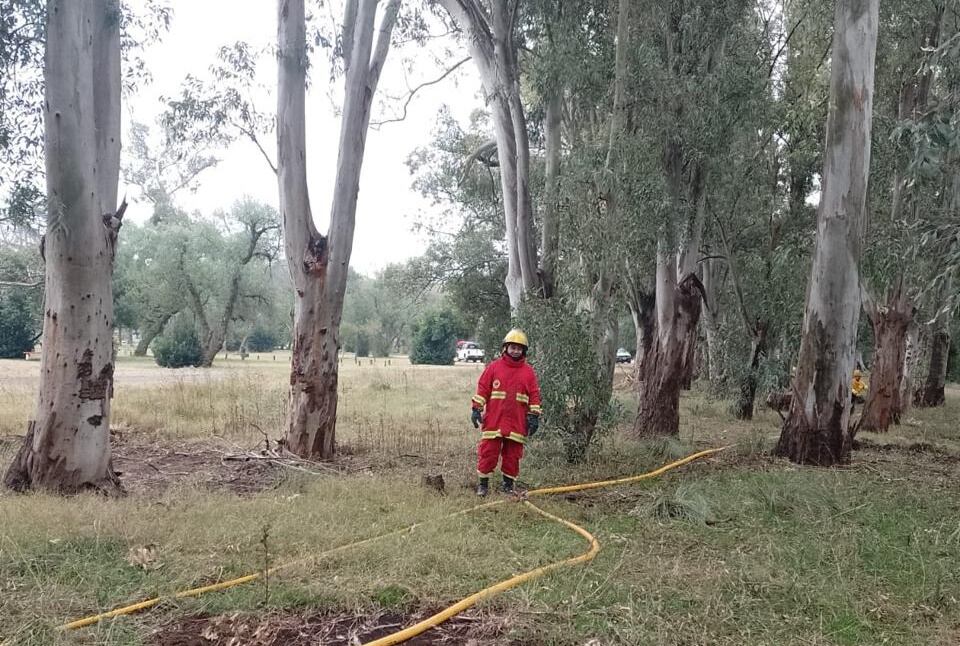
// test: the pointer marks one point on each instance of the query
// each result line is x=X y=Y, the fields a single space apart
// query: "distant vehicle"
x=470 y=351
x=623 y=356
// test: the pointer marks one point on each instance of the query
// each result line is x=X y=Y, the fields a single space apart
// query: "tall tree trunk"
x=743 y=409
x=658 y=384
x=67 y=446
x=152 y=330
x=710 y=270
x=490 y=39
x=932 y=394
x=318 y=264
x=551 y=197
x=687 y=259
x=890 y=324
x=643 y=310
x=817 y=429
x=911 y=355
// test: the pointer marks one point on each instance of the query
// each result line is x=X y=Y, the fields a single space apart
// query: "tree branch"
x=412 y=93
x=485 y=148
x=349 y=24
x=13 y=283
x=734 y=276
x=253 y=137
x=383 y=43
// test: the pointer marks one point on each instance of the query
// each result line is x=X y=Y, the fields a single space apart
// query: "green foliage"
x=435 y=338
x=20 y=301
x=465 y=256
x=576 y=402
x=262 y=339
x=179 y=346
x=19 y=324
x=377 y=313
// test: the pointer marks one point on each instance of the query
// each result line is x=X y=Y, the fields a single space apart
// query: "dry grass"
x=743 y=549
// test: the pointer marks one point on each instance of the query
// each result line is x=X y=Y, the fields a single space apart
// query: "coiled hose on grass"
x=463 y=604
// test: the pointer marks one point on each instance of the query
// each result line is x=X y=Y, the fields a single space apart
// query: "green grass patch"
x=739 y=549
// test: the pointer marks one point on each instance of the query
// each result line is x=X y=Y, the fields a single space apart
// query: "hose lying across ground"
x=456 y=608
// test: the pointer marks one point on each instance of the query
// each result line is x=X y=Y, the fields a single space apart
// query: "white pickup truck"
x=469 y=351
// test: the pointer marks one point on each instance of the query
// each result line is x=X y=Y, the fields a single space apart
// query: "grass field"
x=739 y=549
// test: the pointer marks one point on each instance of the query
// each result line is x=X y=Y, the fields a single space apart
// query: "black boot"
x=507 y=484
x=483 y=488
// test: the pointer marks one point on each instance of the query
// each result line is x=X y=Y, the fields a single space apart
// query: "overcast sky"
x=387 y=204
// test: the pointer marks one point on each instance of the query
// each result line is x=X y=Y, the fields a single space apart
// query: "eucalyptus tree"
x=319 y=263
x=759 y=223
x=817 y=429
x=67 y=445
x=933 y=141
x=905 y=89
x=686 y=123
x=490 y=28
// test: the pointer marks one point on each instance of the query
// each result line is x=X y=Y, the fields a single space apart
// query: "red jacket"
x=509 y=391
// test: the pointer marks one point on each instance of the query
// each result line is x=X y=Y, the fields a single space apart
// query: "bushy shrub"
x=262 y=339
x=18 y=324
x=435 y=339
x=178 y=346
x=576 y=398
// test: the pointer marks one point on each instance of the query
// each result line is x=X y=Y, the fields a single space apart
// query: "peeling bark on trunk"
x=743 y=409
x=890 y=324
x=67 y=446
x=817 y=429
x=660 y=374
x=318 y=264
x=642 y=310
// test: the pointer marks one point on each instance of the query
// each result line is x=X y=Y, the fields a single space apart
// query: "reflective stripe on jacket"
x=507 y=391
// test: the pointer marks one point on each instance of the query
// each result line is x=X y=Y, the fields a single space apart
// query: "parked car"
x=623 y=356
x=470 y=351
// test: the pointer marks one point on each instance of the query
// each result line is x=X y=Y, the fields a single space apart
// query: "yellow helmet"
x=517 y=336
x=857 y=373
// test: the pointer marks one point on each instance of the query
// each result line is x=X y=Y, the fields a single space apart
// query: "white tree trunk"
x=492 y=47
x=817 y=429
x=551 y=198
x=318 y=264
x=67 y=447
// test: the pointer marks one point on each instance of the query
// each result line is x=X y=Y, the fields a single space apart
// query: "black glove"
x=533 y=423
x=476 y=417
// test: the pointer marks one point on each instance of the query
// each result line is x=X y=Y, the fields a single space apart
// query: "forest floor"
x=740 y=548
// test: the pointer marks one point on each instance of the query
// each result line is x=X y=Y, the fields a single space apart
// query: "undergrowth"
x=738 y=549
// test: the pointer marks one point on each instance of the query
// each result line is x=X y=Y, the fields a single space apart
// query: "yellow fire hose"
x=456 y=608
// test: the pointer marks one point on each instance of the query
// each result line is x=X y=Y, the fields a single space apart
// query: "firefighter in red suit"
x=506 y=409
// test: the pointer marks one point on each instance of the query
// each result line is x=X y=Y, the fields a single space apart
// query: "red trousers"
x=507 y=452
